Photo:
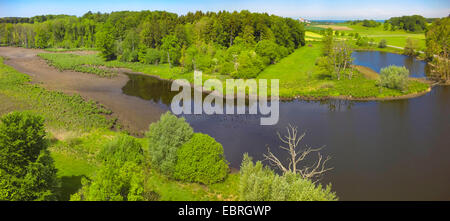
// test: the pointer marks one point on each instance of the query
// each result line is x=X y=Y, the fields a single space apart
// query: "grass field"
x=312 y=36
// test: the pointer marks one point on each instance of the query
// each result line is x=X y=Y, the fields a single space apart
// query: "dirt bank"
x=133 y=113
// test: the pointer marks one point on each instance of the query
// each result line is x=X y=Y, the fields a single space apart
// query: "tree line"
x=413 y=23
x=237 y=43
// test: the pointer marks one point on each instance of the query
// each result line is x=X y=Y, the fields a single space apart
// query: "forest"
x=240 y=44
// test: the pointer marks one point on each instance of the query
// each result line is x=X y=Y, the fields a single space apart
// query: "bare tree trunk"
x=292 y=140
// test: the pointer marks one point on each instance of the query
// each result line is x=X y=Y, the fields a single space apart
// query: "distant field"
x=394 y=38
x=335 y=27
x=311 y=36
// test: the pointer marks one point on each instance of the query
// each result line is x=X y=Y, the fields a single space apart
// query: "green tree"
x=121 y=176
x=171 y=47
x=269 y=51
x=27 y=171
x=327 y=42
x=41 y=37
x=105 y=42
x=438 y=49
x=410 y=47
x=165 y=137
x=201 y=160
x=382 y=43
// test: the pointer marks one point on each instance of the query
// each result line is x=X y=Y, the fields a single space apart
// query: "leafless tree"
x=291 y=143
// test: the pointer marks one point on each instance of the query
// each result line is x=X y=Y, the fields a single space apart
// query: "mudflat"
x=133 y=113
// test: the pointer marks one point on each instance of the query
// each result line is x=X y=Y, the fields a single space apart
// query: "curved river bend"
x=381 y=150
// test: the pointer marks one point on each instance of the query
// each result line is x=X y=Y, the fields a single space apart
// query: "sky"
x=309 y=9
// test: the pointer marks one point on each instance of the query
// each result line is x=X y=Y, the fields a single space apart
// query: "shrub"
x=394 y=77
x=362 y=41
x=382 y=43
x=150 y=56
x=27 y=171
x=121 y=176
x=113 y=182
x=410 y=47
x=122 y=149
x=165 y=137
x=201 y=160
x=259 y=183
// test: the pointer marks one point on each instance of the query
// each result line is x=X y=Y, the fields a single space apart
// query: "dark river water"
x=377 y=60
x=381 y=150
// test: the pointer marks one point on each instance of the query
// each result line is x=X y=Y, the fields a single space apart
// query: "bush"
x=165 y=137
x=122 y=149
x=394 y=77
x=113 y=182
x=382 y=43
x=27 y=171
x=410 y=47
x=362 y=41
x=121 y=176
x=259 y=183
x=201 y=160
x=150 y=56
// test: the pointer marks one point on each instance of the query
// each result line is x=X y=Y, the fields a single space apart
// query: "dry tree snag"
x=297 y=155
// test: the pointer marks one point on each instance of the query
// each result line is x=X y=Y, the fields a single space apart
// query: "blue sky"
x=310 y=9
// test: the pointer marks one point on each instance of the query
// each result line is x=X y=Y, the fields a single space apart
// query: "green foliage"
x=362 y=41
x=438 y=49
x=165 y=138
x=327 y=42
x=121 y=177
x=149 y=56
x=122 y=149
x=27 y=171
x=394 y=77
x=382 y=43
x=259 y=183
x=410 y=47
x=201 y=160
x=41 y=37
x=105 y=42
x=113 y=182
x=249 y=64
x=269 y=51
x=413 y=23
x=79 y=63
x=171 y=47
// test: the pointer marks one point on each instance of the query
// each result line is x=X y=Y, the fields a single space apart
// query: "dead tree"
x=297 y=155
